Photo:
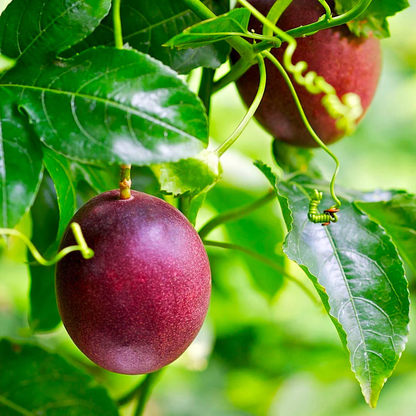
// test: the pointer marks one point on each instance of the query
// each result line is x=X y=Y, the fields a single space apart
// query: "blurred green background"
x=266 y=348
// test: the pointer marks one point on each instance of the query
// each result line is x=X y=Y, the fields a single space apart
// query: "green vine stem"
x=206 y=86
x=342 y=19
x=145 y=391
x=250 y=113
x=242 y=65
x=236 y=213
x=328 y=11
x=125 y=170
x=281 y=69
x=236 y=71
x=81 y=246
x=274 y=14
x=118 y=34
x=265 y=260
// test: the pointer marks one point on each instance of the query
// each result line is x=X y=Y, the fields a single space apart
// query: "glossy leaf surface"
x=60 y=170
x=36 y=382
x=373 y=22
x=20 y=163
x=6 y=63
x=109 y=105
x=398 y=217
x=359 y=275
x=148 y=25
x=33 y=32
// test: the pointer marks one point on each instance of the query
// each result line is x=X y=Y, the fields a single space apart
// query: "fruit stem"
x=125 y=170
x=82 y=246
x=244 y=48
x=145 y=389
x=118 y=34
x=125 y=181
x=236 y=214
x=312 y=132
x=250 y=113
x=274 y=14
x=265 y=260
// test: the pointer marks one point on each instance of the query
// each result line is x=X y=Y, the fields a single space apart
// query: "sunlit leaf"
x=398 y=217
x=359 y=275
x=147 y=25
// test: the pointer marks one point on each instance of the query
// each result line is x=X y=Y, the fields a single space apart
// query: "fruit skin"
x=141 y=300
x=348 y=63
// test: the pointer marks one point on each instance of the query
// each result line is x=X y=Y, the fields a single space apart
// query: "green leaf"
x=374 y=20
x=212 y=30
x=44 y=315
x=398 y=217
x=359 y=275
x=36 y=382
x=6 y=63
x=292 y=158
x=261 y=231
x=147 y=25
x=20 y=163
x=59 y=168
x=192 y=178
x=112 y=106
x=33 y=32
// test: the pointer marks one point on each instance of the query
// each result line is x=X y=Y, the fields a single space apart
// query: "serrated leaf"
x=113 y=106
x=34 y=382
x=190 y=176
x=398 y=217
x=59 y=168
x=360 y=278
x=373 y=22
x=212 y=30
x=20 y=163
x=33 y=32
x=44 y=315
x=292 y=158
x=147 y=25
x=6 y=63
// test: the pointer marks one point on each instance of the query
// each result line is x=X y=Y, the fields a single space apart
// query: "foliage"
x=73 y=108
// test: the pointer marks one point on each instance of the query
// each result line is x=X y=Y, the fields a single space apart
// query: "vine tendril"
x=81 y=246
x=329 y=215
x=308 y=126
x=345 y=111
x=250 y=113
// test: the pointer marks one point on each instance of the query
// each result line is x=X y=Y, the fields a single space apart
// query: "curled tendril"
x=345 y=111
x=329 y=215
x=82 y=246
